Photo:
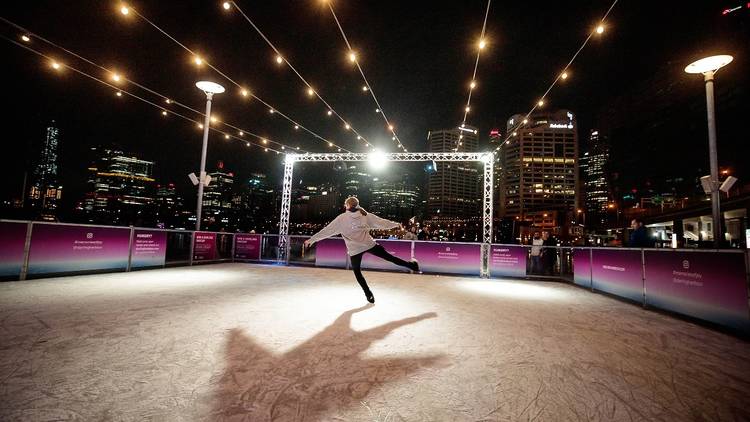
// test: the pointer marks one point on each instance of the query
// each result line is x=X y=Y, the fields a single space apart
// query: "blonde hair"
x=353 y=202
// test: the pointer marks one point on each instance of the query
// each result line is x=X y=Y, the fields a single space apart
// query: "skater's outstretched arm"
x=332 y=229
x=375 y=222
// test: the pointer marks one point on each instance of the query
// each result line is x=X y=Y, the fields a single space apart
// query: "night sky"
x=418 y=56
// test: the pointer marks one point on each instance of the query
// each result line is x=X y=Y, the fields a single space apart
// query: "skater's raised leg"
x=380 y=252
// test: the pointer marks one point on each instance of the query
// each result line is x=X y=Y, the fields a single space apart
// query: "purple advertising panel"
x=399 y=248
x=247 y=246
x=618 y=272
x=451 y=258
x=330 y=253
x=64 y=249
x=11 y=248
x=204 y=248
x=508 y=261
x=149 y=248
x=709 y=286
x=582 y=267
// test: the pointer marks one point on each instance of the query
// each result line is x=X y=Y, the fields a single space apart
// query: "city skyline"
x=495 y=99
x=651 y=113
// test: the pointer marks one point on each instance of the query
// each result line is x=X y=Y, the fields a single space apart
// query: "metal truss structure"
x=485 y=157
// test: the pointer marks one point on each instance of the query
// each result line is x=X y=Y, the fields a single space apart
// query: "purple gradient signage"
x=204 y=248
x=247 y=246
x=450 y=258
x=149 y=249
x=582 y=267
x=618 y=272
x=331 y=253
x=709 y=286
x=11 y=248
x=507 y=261
x=399 y=248
x=68 y=249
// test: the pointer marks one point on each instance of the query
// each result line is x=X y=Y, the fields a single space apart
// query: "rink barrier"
x=706 y=284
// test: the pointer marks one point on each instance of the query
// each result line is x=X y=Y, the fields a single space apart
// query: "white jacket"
x=355 y=229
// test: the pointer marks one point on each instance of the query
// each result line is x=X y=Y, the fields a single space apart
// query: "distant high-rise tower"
x=496 y=139
x=121 y=189
x=396 y=196
x=218 y=209
x=169 y=206
x=539 y=166
x=594 y=164
x=453 y=191
x=45 y=191
x=357 y=182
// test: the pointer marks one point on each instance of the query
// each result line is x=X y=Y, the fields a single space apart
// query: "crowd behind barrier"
x=710 y=285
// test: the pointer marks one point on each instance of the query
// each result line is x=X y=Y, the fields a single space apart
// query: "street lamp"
x=708 y=67
x=210 y=88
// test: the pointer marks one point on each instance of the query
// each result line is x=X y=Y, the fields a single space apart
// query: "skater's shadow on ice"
x=324 y=374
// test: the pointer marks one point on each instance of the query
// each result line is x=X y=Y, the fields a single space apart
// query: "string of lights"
x=480 y=47
x=119 y=78
x=367 y=87
x=562 y=76
x=310 y=91
x=473 y=84
x=119 y=92
x=199 y=61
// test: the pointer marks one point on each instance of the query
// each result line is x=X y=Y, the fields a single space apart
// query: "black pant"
x=380 y=252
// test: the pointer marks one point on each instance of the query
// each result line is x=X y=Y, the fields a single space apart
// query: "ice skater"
x=354 y=226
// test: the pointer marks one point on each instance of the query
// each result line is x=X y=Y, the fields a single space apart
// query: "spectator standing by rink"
x=536 y=253
x=549 y=253
x=410 y=235
x=639 y=238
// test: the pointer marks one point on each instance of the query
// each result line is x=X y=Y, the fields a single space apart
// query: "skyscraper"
x=396 y=196
x=594 y=163
x=357 y=182
x=218 y=209
x=121 y=189
x=258 y=208
x=169 y=207
x=540 y=167
x=45 y=190
x=495 y=140
x=454 y=190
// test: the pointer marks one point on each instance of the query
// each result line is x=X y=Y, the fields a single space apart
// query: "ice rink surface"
x=259 y=343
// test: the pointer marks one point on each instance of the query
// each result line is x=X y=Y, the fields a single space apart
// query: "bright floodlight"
x=709 y=64
x=209 y=87
x=377 y=160
x=226 y=5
